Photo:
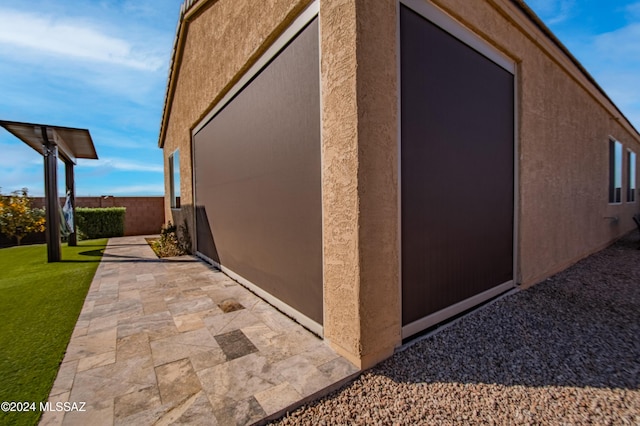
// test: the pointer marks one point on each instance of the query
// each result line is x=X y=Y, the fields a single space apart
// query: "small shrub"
x=17 y=217
x=169 y=244
x=100 y=222
x=184 y=238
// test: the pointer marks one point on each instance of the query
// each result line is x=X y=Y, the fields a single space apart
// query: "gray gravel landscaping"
x=566 y=351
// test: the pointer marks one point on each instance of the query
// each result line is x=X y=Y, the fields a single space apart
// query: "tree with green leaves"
x=17 y=217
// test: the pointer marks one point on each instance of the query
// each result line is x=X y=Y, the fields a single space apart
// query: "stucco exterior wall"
x=378 y=132
x=362 y=311
x=563 y=128
x=563 y=137
x=360 y=186
x=360 y=178
x=223 y=39
x=339 y=153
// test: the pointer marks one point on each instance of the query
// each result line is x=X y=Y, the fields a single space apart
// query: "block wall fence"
x=144 y=215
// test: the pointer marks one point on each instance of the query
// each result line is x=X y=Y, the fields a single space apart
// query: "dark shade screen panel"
x=257 y=179
x=457 y=170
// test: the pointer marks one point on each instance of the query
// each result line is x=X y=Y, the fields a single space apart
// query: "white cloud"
x=622 y=44
x=633 y=10
x=123 y=142
x=18 y=154
x=122 y=164
x=621 y=90
x=23 y=178
x=72 y=39
x=20 y=167
x=145 y=189
x=615 y=61
x=543 y=6
x=553 y=11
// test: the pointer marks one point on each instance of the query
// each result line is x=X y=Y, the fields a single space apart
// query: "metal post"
x=71 y=190
x=50 y=152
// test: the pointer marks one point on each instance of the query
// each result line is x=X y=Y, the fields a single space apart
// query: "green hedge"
x=100 y=222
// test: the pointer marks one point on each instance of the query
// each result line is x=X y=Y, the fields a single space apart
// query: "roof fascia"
x=187 y=10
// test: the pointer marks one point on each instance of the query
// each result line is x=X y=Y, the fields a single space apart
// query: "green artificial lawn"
x=39 y=305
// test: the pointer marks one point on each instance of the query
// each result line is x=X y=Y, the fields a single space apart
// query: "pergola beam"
x=63 y=148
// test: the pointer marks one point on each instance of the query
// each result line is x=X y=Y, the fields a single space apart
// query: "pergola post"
x=71 y=191
x=50 y=152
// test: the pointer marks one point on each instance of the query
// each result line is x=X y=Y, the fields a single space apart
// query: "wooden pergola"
x=52 y=142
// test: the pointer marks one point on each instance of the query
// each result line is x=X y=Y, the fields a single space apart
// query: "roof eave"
x=187 y=9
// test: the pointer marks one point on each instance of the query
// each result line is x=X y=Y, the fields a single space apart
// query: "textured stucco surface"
x=339 y=152
x=222 y=40
x=359 y=154
x=563 y=136
x=377 y=85
x=359 y=134
x=563 y=128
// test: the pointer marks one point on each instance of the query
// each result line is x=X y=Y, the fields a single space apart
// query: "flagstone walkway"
x=175 y=341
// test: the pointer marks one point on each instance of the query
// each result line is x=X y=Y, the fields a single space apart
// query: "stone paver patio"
x=176 y=341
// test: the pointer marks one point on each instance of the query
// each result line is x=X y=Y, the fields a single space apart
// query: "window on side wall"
x=631 y=176
x=615 y=171
x=174 y=179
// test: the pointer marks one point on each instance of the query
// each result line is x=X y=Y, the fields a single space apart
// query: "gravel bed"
x=566 y=351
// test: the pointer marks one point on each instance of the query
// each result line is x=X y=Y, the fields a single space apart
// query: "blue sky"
x=604 y=35
x=102 y=65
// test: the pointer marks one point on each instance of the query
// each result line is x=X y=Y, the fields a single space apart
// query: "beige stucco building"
x=373 y=168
